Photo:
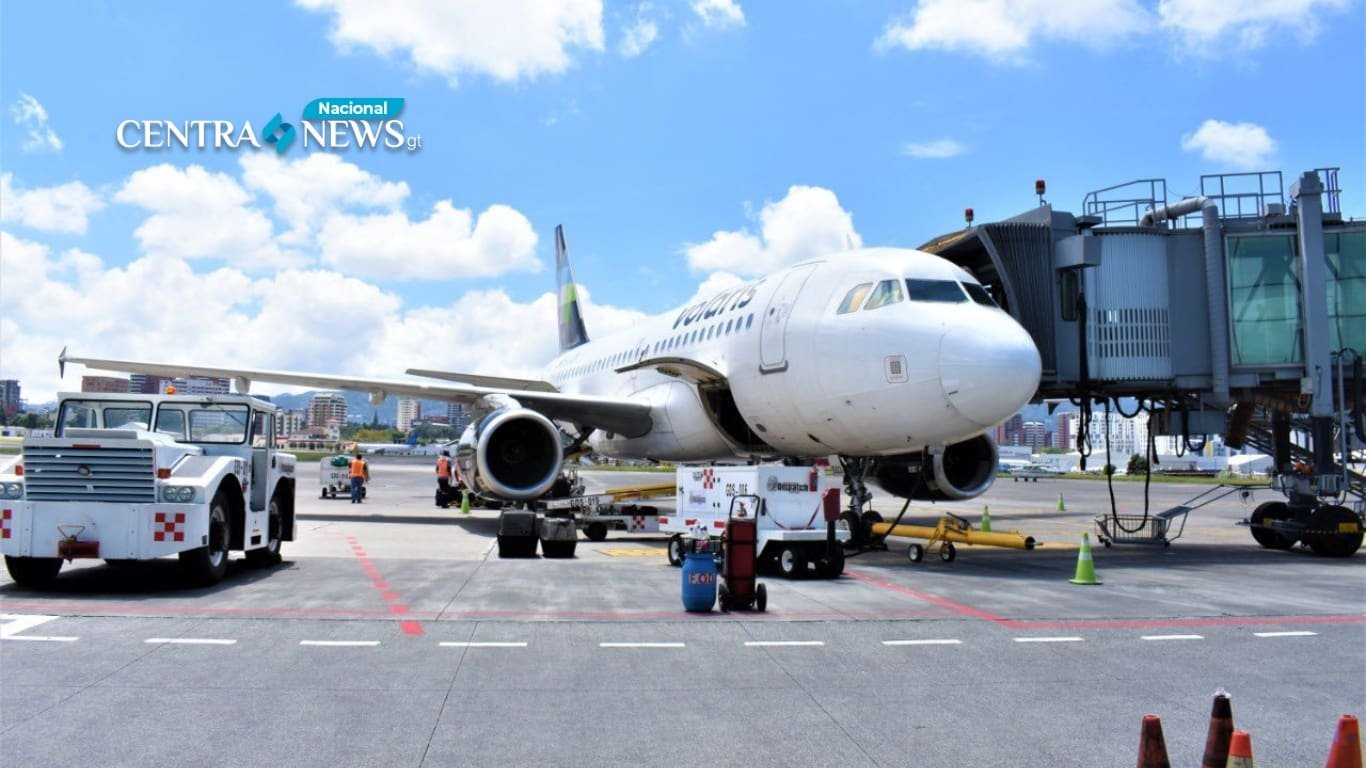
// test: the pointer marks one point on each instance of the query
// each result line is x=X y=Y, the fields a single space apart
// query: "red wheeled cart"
x=739 y=560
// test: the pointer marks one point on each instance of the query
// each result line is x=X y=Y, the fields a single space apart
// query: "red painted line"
x=939 y=601
x=398 y=608
x=391 y=597
x=171 y=611
x=381 y=585
x=410 y=627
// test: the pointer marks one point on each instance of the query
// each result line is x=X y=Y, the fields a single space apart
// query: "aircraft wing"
x=495 y=382
x=625 y=417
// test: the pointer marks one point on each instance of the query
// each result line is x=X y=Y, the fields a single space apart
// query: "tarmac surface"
x=393 y=635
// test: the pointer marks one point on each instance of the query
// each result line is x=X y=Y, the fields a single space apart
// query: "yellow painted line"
x=632 y=552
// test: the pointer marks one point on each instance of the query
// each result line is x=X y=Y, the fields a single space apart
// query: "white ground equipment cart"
x=334 y=476
x=136 y=477
x=792 y=530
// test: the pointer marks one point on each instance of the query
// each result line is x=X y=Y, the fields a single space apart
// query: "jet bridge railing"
x=1243 y=195
x=1125 y=204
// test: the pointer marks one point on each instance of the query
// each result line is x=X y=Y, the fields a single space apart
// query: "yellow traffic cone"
x=1086 y=568
x=465 y=502
x=1061 y=506
x=986 y=519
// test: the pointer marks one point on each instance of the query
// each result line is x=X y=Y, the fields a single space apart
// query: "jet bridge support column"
x=1307 y=192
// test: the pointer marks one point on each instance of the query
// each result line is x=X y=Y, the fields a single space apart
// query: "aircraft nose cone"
x=990 y=371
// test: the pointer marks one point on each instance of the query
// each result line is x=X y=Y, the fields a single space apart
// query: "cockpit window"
x=944 y=291
x=854 y=298
x=886 y=292
x=979 y=294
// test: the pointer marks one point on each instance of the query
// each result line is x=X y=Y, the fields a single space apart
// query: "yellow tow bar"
x=945 y=533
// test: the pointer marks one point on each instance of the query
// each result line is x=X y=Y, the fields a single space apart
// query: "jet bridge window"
x=854 y=298
x=886 y=292
x=979 y=294
x=942 y=291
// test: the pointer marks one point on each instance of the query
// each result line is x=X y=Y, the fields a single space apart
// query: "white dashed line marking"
x=340 y=643
x=641 y=645
x=188 y=641
x=1173 y=637
x=1301 y=633
x=922 y=642
x=482 y=645
x=42 y=638
x=782 y=643
x=1048 y=639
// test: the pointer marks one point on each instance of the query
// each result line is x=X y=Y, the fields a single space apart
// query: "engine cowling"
x=963 y=471
x=513 y=453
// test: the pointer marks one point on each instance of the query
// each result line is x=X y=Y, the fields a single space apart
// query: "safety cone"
x=1086 y=567
x=1061 y=506
x=1220 y=731
x=465 y=502
x=1152 y=748
x=986 y=519
x=1346 y=749
x=1240 y=750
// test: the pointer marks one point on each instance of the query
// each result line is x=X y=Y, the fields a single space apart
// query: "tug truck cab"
x=791 y=529
x=130 y=477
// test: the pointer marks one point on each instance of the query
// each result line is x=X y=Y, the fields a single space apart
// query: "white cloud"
x=719 y=14
x=29 y=114
x=505 y=39
x=1201 y=23
x=198 y=214
x=808 y=222
x=307 y=190
x=449 y=243
x=1245 y=146
x=64 y=208
x=937 y=149
x=1003 y=30
x=638 y=37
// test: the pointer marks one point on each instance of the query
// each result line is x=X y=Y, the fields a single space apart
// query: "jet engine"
x=963 y=471
x=513 y=453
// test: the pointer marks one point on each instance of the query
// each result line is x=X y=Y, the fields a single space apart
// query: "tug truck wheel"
x=915 y=553
x=792 y=562
x=33 y=572
x=596 y=531
x=1263 y=515
x=760 y=598
x=269 y=554
x=208 y=565
x=832 y=567
x=676 y=549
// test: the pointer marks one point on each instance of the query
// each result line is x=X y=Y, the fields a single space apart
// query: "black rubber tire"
x=832 y=568
x=269 y=554
x=948 y=552
x=760 y=598
x=33 y=572
x=331 y=493
x=1326 y=536
x=1271 y=539
x=723 y=597
x=207 y=565
x=915 y=553
x=596 y=531
x=792 y=562
x=676 y=550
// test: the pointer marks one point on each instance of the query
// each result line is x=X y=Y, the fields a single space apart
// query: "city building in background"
x=145 y=384
x=202 y=385
x=10 y=402
x=409 y=411
x=103 y=384
x=327 y=408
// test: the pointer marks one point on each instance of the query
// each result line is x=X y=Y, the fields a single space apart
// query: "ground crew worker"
x=443 y=479
x=360 y=474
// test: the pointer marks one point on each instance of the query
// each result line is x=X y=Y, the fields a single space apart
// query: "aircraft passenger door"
x=773 y=331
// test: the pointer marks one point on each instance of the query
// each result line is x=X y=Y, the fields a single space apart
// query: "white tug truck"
x=134 y=477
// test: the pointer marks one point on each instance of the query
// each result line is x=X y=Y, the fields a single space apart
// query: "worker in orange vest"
x=443 y=479
x=360 y=475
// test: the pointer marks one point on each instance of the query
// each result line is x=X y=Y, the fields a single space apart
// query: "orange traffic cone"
x=1346 y=749
x=1152 y=748
x=1240 y=750
x=1220 y=731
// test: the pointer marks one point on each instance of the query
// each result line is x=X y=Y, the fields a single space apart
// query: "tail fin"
x=572 y=332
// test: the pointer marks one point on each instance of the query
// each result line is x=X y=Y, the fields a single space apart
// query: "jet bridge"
x=1240 y=311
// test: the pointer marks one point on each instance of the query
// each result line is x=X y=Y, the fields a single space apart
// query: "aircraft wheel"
x=595 y=531
x=915 y=553
x=792 y=562
x=33 y=572
x=948 y=552
x=676 y=549
x=760 y=598
x=1335 y=532
x=1264 y=514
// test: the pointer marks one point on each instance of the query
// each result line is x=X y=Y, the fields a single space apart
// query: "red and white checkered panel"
x=6 y=515
x=168 y=527
x=637 y=522
x=708 y=478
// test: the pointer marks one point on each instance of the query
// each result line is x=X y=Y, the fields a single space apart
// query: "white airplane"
x=893 y=359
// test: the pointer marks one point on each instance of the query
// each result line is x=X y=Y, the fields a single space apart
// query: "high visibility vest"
x=358 y=467
x=443 y=467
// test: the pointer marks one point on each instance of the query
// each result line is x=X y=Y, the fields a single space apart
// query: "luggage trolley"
x=739 y=559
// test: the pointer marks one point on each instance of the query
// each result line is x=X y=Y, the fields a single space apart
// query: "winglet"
x=61 y=364
x=572 y=332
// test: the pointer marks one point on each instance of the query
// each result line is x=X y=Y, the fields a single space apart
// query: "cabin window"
x=886 y=292
x=979 y=294
x=943 y=291
x=750 y=322
x=854 y=298
x=728 y=325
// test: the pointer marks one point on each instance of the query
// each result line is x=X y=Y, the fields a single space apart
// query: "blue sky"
x=684 y=145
